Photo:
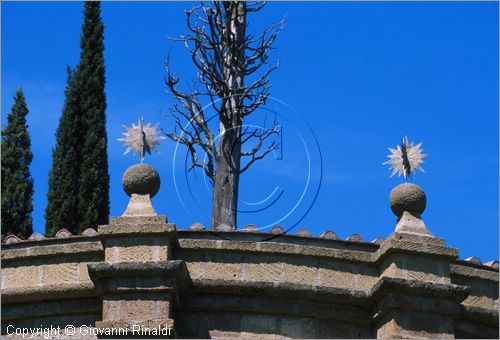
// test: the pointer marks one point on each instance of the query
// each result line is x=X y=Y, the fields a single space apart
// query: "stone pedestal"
x=414 y=297
x=408 y=309
x=138 y=280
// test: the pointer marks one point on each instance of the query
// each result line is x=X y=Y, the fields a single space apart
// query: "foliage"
x=17 y=183
x=78 y=195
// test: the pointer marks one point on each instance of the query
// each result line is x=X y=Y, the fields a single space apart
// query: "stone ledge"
x=142 y=228
x=206 y=302
x=51 y=308
x=112 y=269
x=274 y=248
x=422 y=288
x=472 y=270
x=49 y=292
x=159 y=219
x=404 y=243
x=54 y=247
x=414 y=303
x=278 y=239
x=287 y=290
x=124 y=277
x=483 y=315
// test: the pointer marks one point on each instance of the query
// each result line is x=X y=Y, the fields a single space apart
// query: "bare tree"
x=233 y=75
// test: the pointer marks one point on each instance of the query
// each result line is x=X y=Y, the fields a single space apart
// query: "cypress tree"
x=17 y=183
x=62 y=197
x=94 y=178
x=79 y=181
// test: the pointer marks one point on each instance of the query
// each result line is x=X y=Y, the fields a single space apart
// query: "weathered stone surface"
x=139 y=226
x=50 y=308
x=301 y=271
x=280 y=248
x=407 y=197
x=484 y=291
x=56 y=273
x=25 y=276
x=414 y=267
x=414 y=243
x=48 y=292
x=136 y=248
x=140 y=205
x=51 y=249
x=408 y=325
x=240 y=286
x=141 y=179
x=263 y=268
x=135 y=308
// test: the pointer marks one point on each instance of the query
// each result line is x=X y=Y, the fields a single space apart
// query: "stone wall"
x=248 y=284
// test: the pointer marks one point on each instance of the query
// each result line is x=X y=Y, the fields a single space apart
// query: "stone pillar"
x=139 y=281
x=414 y=297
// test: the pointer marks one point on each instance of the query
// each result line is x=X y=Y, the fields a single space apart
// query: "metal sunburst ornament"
x=141 y=138
x=406 y=159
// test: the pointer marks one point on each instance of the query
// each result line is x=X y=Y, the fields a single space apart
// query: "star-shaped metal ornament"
x=141 y=138
x=406 y=159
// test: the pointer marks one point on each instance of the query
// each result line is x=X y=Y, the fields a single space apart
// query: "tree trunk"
x=227 y=174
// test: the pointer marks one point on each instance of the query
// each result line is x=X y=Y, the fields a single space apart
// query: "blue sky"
x=354 y=78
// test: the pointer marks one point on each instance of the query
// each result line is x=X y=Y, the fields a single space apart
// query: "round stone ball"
x=407 y=197
x=141 y=179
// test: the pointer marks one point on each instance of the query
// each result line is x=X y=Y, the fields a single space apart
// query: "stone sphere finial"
x=407 y=197
x=141 y=179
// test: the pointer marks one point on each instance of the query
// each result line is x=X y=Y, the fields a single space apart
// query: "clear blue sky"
x=357 y=76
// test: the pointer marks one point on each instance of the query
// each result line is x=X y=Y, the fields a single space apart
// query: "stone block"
x=136 y=249
x=223 y=271
x=134 y=310
x=83 y=272
x=263 y=268
x=260 y=324
x=24 y=276
x=347 y=275
x=297 y=327
x=330 y=277
x=300 y=271
x=60 y=273
x=409 y=324
x=416 y=267
x=484 y=292
x=196 y=270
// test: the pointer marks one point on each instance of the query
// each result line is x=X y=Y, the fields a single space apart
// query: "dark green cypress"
x=62 y=197
x=17 y=183
x=94 y=178
x=79 y=181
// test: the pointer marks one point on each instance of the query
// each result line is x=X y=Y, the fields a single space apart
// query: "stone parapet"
x=234 y=284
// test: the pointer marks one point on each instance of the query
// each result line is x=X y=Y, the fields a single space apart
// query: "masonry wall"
x=245 y=284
